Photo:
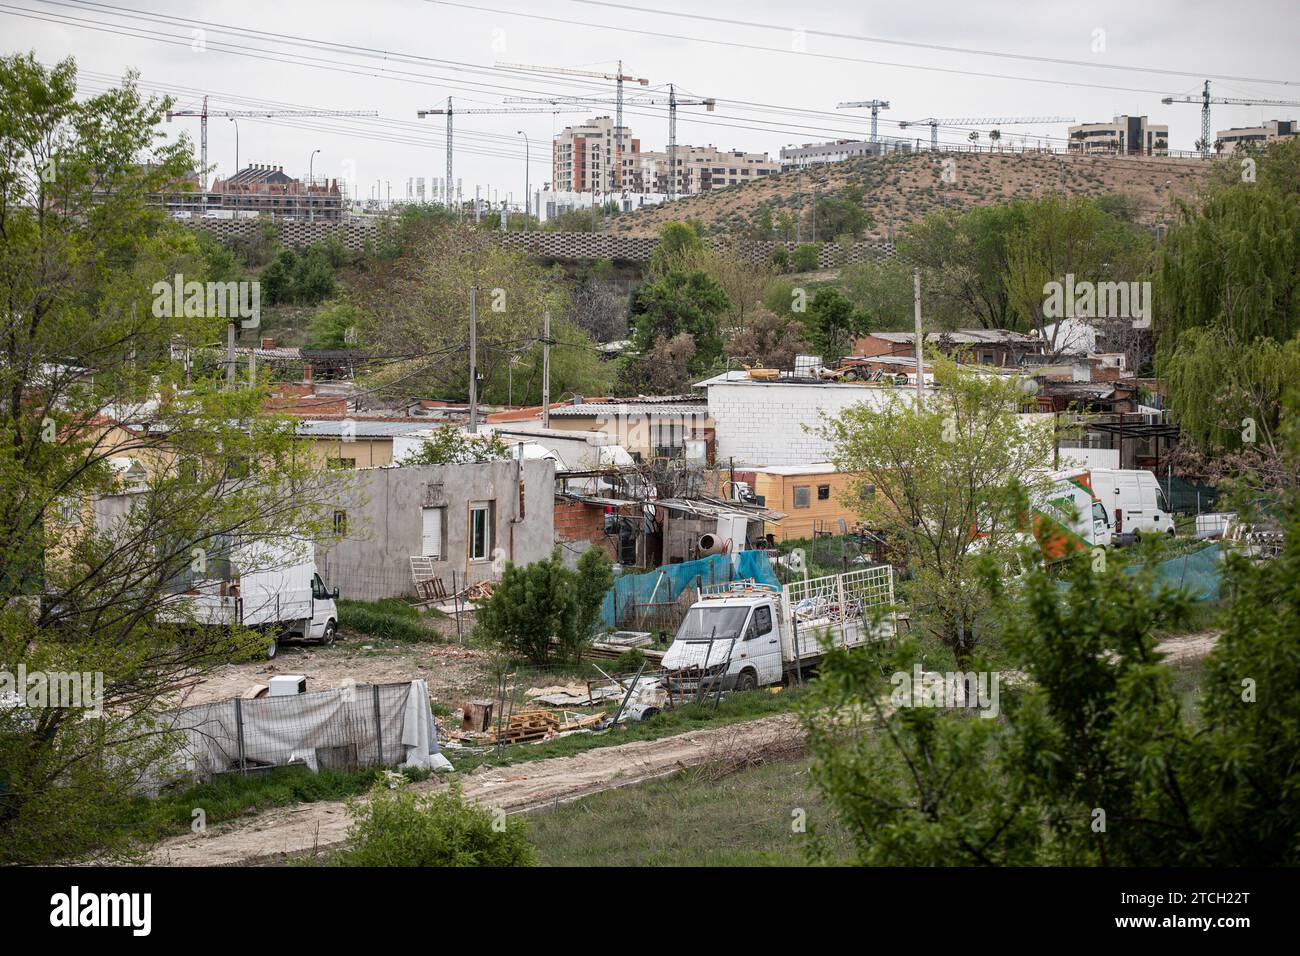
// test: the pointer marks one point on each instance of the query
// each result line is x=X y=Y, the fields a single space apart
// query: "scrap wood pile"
x=481 y=727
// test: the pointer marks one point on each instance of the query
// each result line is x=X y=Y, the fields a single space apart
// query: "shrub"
x=780 y=259
x=402 y=828
x=805 y=257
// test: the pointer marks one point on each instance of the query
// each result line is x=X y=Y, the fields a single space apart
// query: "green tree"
x=87 y=330
x=338 y=325
x=680 y=302
x=533 y=611
x=946 y=484
x=805 y=257
x=832 y=322
x=451 y=445
x=679 y=246
x=882 y=291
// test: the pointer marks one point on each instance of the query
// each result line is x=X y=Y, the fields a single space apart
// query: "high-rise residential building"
x=1231 y=140
x=582 y=157
x=698 y=169
x=1124 y=134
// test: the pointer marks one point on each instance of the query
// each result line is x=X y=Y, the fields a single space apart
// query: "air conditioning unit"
x=286 y=685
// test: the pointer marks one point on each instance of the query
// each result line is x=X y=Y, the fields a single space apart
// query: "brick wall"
x=580 y=523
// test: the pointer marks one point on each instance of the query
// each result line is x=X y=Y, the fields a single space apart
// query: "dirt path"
x=527 y=786
x=284 y=831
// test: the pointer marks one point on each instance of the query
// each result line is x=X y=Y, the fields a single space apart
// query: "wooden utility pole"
x=473 y=360
x=230 y=356
x=546 y=368
x=920 y=368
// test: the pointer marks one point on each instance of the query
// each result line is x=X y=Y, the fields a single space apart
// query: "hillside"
x=902 y=188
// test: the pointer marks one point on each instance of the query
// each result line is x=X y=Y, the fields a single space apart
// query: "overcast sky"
x=806 y=60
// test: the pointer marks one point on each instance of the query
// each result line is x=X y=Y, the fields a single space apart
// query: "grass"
x=231 y=795
x=733 y=709
x=695 y=819
x=390 y=618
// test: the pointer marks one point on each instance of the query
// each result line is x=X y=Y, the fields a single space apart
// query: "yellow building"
x=814 y=498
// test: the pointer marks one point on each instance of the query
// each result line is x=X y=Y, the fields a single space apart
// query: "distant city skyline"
x=777 y=70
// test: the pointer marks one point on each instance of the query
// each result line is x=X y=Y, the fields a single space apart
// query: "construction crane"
x=874 y=105
x=673 y=101
x=204 y=113
x=619 y=78
x=934 y=124
x=450 y=111
x=1205 y=99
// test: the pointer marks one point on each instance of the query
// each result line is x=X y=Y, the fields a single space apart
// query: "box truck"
x=742 y=635
x=1134 y=500
x=269 y=587
x=1069 y=517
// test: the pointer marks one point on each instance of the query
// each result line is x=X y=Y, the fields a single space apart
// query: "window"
x=480 y=531
x=762 y=620
x=823 y=492
x=341 y=523
x=343 y=463
x=867 y=492
x=431 y=525
x=801 y=496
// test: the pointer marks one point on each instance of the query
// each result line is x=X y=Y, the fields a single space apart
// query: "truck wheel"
x=272 y=646
x=746 y=681
x=331 y=631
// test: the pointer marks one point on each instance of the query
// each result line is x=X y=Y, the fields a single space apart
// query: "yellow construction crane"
x=619 y=78
x=204 y=113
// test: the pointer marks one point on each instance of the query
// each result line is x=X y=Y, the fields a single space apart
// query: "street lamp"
x=311 y=209
x=236 y=122
x=528 y=194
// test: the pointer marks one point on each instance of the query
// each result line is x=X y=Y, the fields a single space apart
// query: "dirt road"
x=527 y=786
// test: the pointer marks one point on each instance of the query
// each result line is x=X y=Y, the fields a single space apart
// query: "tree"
x=780 y=259
x=832 y=322
x=946 y=483
x=805 y=257
x=1096 y=759
x=338 y=325
x=679 y=245
x=680 y=302
x=843 y=215
x=450 y=445
x=87 y=267
x=1228 y=297
x=881 y=291
x=770 y=341
x=664 y=370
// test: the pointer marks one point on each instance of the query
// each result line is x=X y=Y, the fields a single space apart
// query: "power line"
x=1029 y=57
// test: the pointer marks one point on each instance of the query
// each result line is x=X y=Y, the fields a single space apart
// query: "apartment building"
x=697 y=169
x=837 y=151
x=582 y=157
x=1124 y=134
x=1231 y=140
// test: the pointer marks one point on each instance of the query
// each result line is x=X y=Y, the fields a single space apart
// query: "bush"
x=805 y=257
x=780 y=259
x=385 y=619
x=403 y=828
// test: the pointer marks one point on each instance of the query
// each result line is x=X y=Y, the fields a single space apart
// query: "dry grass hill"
x=904 y=187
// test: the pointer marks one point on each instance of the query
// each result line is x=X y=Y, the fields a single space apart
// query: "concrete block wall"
x=762 y=423
x=551 y=245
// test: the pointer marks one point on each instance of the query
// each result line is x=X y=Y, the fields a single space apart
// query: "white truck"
x=751 y=635
x=1134 y=501
x=271 y=588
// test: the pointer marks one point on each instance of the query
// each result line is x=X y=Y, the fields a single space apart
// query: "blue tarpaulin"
x=672 y=579
x=1199 y=574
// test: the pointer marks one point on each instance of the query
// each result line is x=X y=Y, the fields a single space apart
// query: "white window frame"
x=485 y=508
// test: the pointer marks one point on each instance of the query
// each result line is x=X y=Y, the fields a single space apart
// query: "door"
x=431 y=536
x=763 y=645
x=321 y=605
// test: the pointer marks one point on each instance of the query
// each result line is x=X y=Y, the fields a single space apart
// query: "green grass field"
x=691 y=819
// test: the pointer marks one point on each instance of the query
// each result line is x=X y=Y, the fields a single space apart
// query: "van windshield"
x=718 y=623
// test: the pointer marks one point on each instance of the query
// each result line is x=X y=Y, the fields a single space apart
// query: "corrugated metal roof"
x=605 y=409
x=358 y=428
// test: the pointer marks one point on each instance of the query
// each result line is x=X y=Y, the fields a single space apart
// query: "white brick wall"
x=762 y=423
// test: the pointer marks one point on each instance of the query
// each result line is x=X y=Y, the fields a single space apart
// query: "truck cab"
x=736 y=636
x=323 y=624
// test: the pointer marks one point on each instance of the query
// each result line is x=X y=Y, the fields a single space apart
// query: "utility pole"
x=546 y=368
x=920 y=369
x=473 y=360
x=230 y=356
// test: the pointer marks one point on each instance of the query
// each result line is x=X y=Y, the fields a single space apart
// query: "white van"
x=1134 y=501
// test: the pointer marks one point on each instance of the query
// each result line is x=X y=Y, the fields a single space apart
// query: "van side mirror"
x=335 y=595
